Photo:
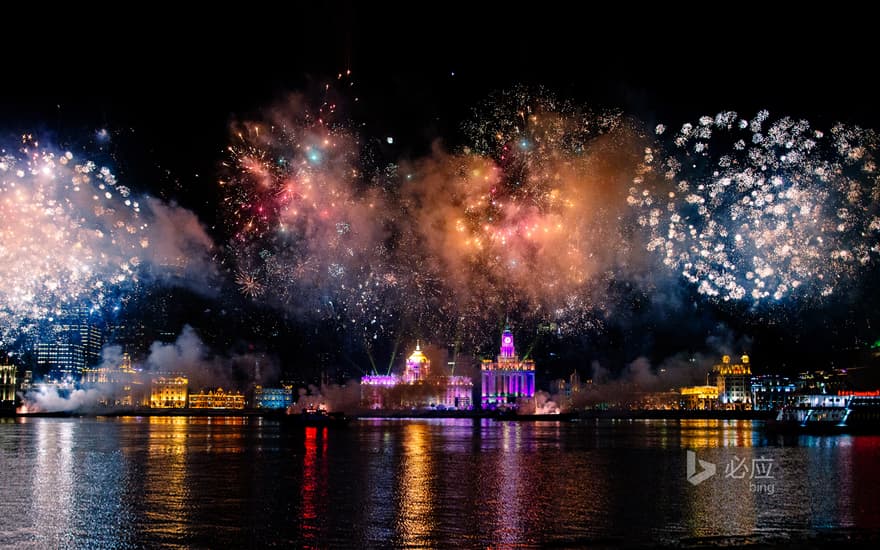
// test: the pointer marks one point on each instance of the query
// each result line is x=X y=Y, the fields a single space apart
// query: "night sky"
x=168 y=91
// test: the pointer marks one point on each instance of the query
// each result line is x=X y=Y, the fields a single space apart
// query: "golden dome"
x=417 y=356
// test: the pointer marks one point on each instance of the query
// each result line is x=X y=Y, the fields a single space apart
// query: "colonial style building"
x=507 y=379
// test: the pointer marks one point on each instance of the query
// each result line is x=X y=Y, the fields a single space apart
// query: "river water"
x=248 y=482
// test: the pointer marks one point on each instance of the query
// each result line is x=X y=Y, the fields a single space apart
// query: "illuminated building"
x=168 y=392
x=771 y=392
x=734 y=382
x=130 y=335
x=458 y=392
x=273 y=398
x=572 y=393
x=507 y=379
x=27 y=381
x=655 y=400
x=818 y=382
x=63 y=360
x=699 y=398
x=381 y=380
x=218 y=399
x=417 y=367
x=419 y=387
x=109 y=375
x=73 y=343
x=7 y=385
x=566 y=388
x=118 y=384
x=78 y=322
x=374 y=389
x=559 y=387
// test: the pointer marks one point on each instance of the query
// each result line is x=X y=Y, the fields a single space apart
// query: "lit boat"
x=317 y=416
x=845 y=412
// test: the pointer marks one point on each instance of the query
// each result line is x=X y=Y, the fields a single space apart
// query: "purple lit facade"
x=418 y=387
x=457 y=393
x=374 y=388
x=507 y=379
x=507 y=349
x=381 y=380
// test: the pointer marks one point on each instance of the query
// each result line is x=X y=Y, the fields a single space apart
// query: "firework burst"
x=526 y=220
x=308 y=228
x=71 y=233
x=761 y=210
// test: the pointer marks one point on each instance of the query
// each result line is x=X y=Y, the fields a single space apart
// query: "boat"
x=845 y=412
x=513 y=415
x=317 y=416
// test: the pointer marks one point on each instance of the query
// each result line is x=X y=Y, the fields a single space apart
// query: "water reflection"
x=314 y=484
x=416 y=478
x=697 y=434
x=507 y=498
x=63 y=485
x=721 y=505
x=213 y=482
x=165 y=487
x=53 y=479
x=864 y=470
x=378 y=447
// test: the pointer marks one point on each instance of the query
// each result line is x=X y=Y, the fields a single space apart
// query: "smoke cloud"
x=50 y=399
x=188 y=355
x=334 y=397
x=178 y=249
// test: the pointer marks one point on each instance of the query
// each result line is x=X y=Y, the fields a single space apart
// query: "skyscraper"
x=507 y=379
x=7 y=385
x=61 y=359
x=73 y=343
x=82 y=325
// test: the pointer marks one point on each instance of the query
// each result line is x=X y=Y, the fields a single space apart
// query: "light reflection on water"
x=313 y=491
x=183 y=482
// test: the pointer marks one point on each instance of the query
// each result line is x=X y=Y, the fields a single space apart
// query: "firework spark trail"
x=538 y=218
x=761 y=210
x=72 y=233
x=527 y=220
x=307 y=232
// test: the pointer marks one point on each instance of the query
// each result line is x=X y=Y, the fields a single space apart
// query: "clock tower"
x=507 y=379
